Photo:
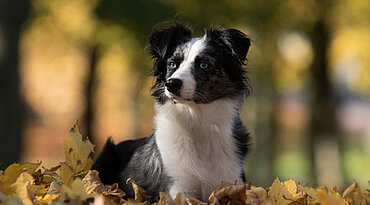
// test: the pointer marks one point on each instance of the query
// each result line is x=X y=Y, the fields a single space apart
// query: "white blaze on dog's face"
x=198 y=70
x=184 y=71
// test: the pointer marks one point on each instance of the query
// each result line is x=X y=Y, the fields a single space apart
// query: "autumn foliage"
x=72 y=182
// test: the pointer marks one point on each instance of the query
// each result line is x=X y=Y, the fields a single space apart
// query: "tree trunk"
x=323 y=130
x=12 y=16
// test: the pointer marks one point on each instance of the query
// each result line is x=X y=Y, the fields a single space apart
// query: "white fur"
x=196 y=145
x=190 y=51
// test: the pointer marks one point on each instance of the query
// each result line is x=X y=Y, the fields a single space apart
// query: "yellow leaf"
x=20 y=187
x=292 y=188
x=77 y=190
x=194 y=201
x=78 y=152
x=66 y=174
x=180 y=199
x=354 y=195
x=47 y=198
x=37 y=189
x=330 y=197
x=279 y=194
x=11 y=174
x=309 y=191
x=165 y=199
x=336 y=197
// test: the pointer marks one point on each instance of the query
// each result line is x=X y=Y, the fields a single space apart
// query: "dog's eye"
x=172 y=65
x=203 y=65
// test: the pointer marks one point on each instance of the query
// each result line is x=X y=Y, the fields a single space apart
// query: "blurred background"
x=309 y=64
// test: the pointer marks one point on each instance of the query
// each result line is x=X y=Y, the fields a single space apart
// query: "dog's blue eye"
x=203 y=65
x=173 y=65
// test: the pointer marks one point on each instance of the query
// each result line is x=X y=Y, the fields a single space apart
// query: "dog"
x=199 y=140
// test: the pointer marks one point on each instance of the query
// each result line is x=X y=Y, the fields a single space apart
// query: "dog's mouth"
x=178 y=98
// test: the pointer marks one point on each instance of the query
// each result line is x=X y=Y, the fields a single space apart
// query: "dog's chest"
x=198 y=154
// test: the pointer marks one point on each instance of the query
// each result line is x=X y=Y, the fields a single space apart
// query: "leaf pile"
x=72 y=182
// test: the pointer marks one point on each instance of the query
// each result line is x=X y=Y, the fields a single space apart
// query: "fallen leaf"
x=12 y=173
x=37 y=189
x=77 y=190
x=336 y=197
x=114 y=193
x=194 y=201
x=180 y=199
x=309 y=191
x=354 y=195
x=229 y=194
x=47 y=198
x=20 y=187
x=330 y=197
x=165 y=199
x=217 y=188
x=51 y=171
x=279 y=194
x=54 y=189
x=93 y=184
x=78 y=152
x=257 y=195
x=292 y=188
x=66 y=174
x=140 y=194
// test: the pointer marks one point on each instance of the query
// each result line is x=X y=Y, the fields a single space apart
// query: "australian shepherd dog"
x=198 y=140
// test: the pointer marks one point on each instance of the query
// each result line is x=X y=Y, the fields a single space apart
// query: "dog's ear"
x=163 y=41
x=240 y=42
x=237 y=41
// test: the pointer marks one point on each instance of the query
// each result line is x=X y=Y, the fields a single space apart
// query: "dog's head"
x=198 y=70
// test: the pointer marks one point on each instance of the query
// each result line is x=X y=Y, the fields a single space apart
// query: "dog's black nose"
x=173 y=85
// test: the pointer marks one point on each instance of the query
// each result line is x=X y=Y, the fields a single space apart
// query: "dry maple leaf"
x=11 y=174
x=20 y=187
x=93 y=184
x=66 y=174
x=140 y=194
x=194 y=201
x=279 y=194
x=77 y=190
x=330 y=197
x=47 y=198
x=54 y=188
x=354 y=195
x=78 y=152
x=229 y=194
x=104 y=194
x=256 y=195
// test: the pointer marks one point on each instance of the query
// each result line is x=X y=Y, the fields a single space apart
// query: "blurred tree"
x=136 y=19
x=323 y=127
x=12 y=16
x=89 y=94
